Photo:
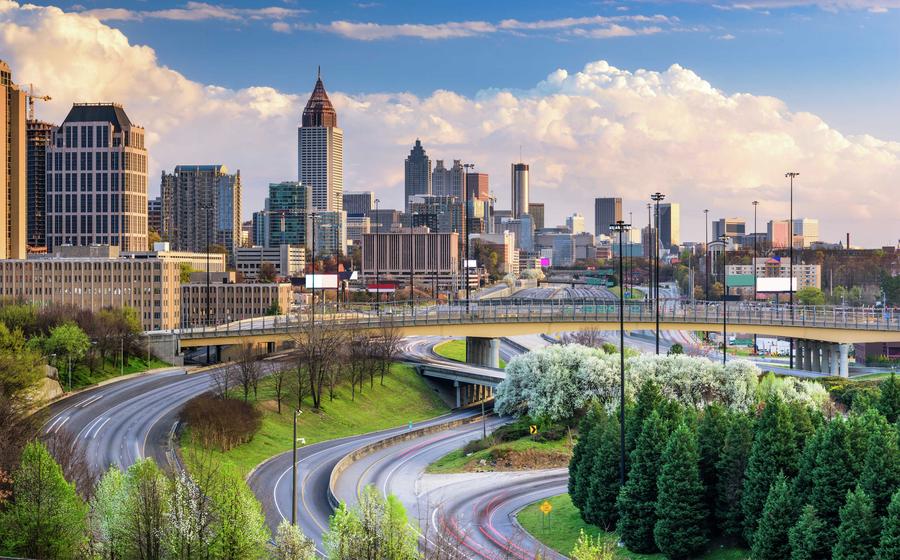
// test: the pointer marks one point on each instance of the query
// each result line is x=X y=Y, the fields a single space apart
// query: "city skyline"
x=697 y=166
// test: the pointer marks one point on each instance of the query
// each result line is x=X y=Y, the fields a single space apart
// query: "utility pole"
x=791 y=175
x=621 y=227
x=724 y=240
x=656 y=197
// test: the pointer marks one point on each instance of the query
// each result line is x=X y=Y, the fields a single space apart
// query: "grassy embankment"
x=560 y=530
x=456 y=350
x=404 y=397
x=82 y=376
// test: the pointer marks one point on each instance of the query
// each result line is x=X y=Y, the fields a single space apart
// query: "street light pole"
x=753 y=262
x=649 y=253
x=656 y=197
x=466 y=167
x=312 y=289
x=621 y=227
x=375 y=254
x=724 y=240
x=294 y=474
x=791 y=175
x=706 y=250
x=207 y=206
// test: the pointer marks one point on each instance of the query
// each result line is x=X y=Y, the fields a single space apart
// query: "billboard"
x=381 y=288
x=775 y=284
x=322 y=281
x=471 y=263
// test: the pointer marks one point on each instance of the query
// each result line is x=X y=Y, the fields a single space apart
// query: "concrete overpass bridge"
x=823 y=333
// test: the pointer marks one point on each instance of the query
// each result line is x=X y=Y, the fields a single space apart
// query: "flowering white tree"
x=557 y=381
x=291 y=544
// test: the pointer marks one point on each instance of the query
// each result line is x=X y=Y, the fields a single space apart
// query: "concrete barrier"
x=370 y=448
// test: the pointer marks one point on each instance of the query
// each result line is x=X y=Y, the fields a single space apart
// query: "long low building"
x=433 y=257
x=230 y=301
x=288 y=260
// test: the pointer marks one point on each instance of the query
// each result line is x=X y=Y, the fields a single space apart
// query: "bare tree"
x=280 y=378
x=222 y=380
x=592 y=338
x=64 y=448
x=388 y=347
x=248 y=369
x=317 y=347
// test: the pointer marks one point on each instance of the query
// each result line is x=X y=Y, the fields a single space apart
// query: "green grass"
x=456 y=350
x=404 y=397
x=457 y=461
x=82 y=376
x=560 y=531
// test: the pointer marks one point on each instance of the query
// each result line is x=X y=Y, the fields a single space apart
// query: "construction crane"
x=31 y=97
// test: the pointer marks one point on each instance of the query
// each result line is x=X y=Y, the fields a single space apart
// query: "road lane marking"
x=100 y=427
x=61 y=425
x=87 y=429
x=89 y=401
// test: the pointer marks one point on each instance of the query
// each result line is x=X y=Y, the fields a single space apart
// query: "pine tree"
x=770 y=541
x=46 y=519
x=592 y=445
x=802 y=484
x=637 y=500
x=889 y=401
x=805 y=421
x=880 y=476
x=889 y=544
x=680 y=508
x=774 y=451
x=805 y=537
x=580 y=452
x=604 y=479
x=859 y=529
x=730 y=470
x=711 y=433
x=832 y=477
x=649 y=398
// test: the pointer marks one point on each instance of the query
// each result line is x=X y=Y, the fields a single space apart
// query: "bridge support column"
x=799 y=350
x=483 y=351
x=458 y=400
x=844 y=350
x=833 y=367
x=807 y=354
x=817 y=356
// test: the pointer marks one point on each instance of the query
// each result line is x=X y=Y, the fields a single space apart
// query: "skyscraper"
x=97 y=180
x=575 y=223
x=359 y=202
x=607 y=211
x=734 y=228
x=39 y=134
x=12 y=178
x=478 y=186
x=519 y=185
x=417 y=173
x=669 y=224
x=320 y=151
x=536 y=209
x=154 y=215
x=201 y=206
x=287 y=208
x=448 y=182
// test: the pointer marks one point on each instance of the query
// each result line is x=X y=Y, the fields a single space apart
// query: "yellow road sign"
x=532 y=429
x=546 y=507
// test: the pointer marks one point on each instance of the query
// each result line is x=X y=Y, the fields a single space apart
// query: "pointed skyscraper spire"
x=319 y=111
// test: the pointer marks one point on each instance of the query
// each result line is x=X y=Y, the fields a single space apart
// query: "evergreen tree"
x=880 y=476
x=585 y=480
x=803 y=482
x=711 y=433
x=805 y=421
x=770 y=541
x=805 y=537
x=649 y=398
x=637 y=500
x=859 y=429
x=46 y=519
x=889 y=401
x=832 y=477
x=580 y=452
x=680 y=508
x=730 y=470
x=604 y=479
x=889 y=544
x=859 y=529
x=774 y=451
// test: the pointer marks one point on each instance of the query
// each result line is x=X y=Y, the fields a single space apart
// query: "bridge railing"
x=403 y=314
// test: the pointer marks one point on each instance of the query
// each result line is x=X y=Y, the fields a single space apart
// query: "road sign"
x=532 y=429
x=546 y=507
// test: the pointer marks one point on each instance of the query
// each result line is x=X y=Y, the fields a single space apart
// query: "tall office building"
x=359 y=202
x=97 y=180
x=575 y=223
x=13 y=186
x=734 y=228
x=448 y=182
x=441 y=214
x=806 y=231
x=478 y=186
x=201 y=206
x=519 y=185
x=669 y=224
x=536 y=210
x=417 y=173
x=607 y=211
x=286 y=214
x=39 y=134
x=154 y=214
x=320 y=151
x=329 y=233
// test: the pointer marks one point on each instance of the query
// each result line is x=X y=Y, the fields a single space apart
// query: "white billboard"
x=471 y=264
x=775 y=284
x=322 y=281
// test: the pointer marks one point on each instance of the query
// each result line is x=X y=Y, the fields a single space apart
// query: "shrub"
x=221 y=423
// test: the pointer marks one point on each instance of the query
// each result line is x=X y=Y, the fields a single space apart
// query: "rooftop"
x=100 y=112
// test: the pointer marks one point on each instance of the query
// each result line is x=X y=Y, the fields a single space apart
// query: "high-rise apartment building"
x=519 y=186
x=417 y=173
x=97 y=180
x=39 y=136
x=669 y=224
x=607 y=211
x=536 y=211
x=13 y=186
x=287 y=210
x=320 y=152
x=575 y=223
x=201 y=206
x=154 y=214
x=359 y=203
x=328 y=231
x=448 y=182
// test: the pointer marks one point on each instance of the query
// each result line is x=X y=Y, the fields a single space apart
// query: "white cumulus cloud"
x=598 y=131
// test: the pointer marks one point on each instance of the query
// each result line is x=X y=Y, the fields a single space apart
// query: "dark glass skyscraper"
x=606 y=211
x=417 y=173
x=39 y=134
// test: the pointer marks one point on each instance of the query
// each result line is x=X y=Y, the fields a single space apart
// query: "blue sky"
x=709 y=103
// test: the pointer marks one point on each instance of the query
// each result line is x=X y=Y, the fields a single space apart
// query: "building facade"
x=519 y=188
x=536 y=211
x=448 y=182
x=478 y=186
x=607 y=211
x=97 y=180
x=288 y=260
x=191 y=261
x=328 y=233
x=39 y=136
x=735 y=228
x=320 y=152
x=807 y=275
x=287 y=215
x=154 y=215
x=359 y=202
x=433 y=257
x=575 y=223
x=669 y=224
x=357 y=226
x=13 y=182
x=441 y=214
x=230 y=301
x=416 y=173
